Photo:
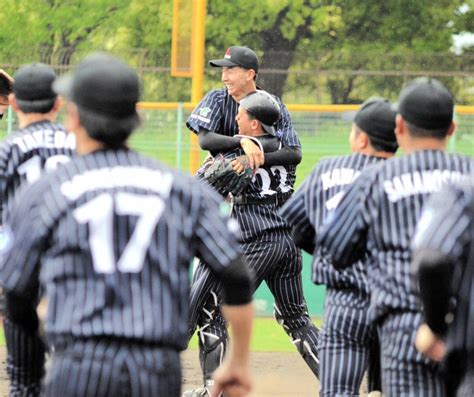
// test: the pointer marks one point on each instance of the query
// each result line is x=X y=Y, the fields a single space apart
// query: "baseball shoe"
x=199 y=392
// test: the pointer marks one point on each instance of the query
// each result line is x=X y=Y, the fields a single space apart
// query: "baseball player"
x=6 y=82
x=110 y=236
x=40 y=144
x=348 y=335
x=266 y=244
x=444 y=265
x=379 y=212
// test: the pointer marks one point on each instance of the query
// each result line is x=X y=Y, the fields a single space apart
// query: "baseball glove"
x=221 y=174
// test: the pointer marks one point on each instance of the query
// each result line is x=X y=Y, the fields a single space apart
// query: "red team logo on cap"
x=227 y=53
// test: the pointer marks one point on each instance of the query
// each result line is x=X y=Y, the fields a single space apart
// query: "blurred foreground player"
x=110 y=237
x=444 y=265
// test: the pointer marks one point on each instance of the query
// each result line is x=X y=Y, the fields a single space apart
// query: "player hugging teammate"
x=107 y=235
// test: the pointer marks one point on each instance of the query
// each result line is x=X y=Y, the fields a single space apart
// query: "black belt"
x=278 y=199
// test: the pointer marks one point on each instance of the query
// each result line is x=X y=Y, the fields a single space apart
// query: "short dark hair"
x=419 y=132
x=113 y=132
x=375 y=143
x=39 y=106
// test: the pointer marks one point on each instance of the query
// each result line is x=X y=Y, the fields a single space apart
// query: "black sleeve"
x=213 y=142
x=434 y=270
x=285 y=156
x=305 y=240
x=237 y=283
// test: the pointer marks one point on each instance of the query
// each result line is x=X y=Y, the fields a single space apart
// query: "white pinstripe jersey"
x=308 y=208
x=216 y=112
x=447 y=225
x=379 y=212
x=41 y=145
x=111 y=236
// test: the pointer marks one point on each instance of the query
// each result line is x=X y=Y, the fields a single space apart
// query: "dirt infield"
x=274 y=374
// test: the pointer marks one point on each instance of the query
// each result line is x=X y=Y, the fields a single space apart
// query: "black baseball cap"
x=376 y=117
x=426 y=103
x=263 y=107
x=33 y=85
x=102 y=84
x=237 y=56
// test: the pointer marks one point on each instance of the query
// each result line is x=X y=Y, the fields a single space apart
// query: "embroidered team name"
x=338 y=177
x=105 y=178
x=45 y=139
x=424 y=182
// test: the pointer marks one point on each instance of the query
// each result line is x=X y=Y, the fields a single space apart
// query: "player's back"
x=117 y=260
x=399 y=190
x=326 y=186
x=24 y=155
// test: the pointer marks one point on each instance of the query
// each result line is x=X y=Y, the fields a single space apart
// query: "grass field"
x=267 y=336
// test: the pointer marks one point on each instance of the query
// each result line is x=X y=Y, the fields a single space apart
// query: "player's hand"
x=430 y=344
x=255 y=155
x=231 y=379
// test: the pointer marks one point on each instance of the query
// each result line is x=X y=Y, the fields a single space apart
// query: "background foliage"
x=337 y=51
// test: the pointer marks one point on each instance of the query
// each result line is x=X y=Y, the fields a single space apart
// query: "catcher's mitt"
x=221 y=175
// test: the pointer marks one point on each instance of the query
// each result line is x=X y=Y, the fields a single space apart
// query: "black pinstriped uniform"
x=110 y=236
x=348 y=335
x=266 y=243
x=379 y=212
x=39 y=146
x=446 y=229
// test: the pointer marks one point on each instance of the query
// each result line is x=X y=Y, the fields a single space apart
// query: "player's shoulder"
x=330 y=162
x=217 y=94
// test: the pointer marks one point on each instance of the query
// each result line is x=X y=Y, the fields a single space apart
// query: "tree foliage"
x=328 y=50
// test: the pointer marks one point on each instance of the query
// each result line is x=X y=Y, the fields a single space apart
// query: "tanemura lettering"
x=104 y=178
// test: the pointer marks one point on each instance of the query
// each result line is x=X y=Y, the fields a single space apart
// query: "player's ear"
x=58 y=103
x=255 y=125
x=250 y=74
x=72 y=117
x=452 y=129
x=13 y=103
x=399 y=126
x=363 y=140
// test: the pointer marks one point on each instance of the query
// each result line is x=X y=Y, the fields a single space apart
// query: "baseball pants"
x=348 y=344
x=111 y=368
x=405 y=371
x=275 y=260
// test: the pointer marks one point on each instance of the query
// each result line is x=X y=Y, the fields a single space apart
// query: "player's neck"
x=85 y=144
x=26 y=119
x=417 y=144
x=244 y=92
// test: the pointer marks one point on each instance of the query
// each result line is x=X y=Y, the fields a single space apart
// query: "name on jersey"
x=338 y=177
x=116 y=177
x=424 y=182
x=45 y=139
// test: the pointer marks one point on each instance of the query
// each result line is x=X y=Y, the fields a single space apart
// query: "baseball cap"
x=376 y=117
x=34 y=84
x=263 y=107
x=426 y=103
x=102 y=84
x=237 y=56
